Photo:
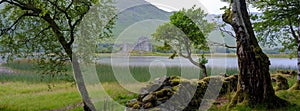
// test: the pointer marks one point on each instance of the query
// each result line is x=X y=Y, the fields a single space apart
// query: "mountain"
x=138 y=18
x=139 y=15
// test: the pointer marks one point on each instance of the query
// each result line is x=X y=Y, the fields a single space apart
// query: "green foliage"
x=202 y=59
x=278 y=23
x=187 y=31
x=46 y=29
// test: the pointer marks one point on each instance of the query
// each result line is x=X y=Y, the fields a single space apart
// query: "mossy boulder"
x=176 y=94
x=281 y=83
x=288 y=72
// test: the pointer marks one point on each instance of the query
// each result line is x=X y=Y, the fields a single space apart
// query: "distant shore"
x=207 y=55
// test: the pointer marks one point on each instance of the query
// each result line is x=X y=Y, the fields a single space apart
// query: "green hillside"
x=139 y=29
x=137 y=14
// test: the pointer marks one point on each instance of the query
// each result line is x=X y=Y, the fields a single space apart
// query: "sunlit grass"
x=32 y=97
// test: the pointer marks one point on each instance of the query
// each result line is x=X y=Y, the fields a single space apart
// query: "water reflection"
x=229 y=62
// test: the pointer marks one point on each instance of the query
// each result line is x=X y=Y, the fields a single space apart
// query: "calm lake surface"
x=228 y=62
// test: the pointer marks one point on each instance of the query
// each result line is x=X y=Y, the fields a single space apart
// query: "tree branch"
x=184 y=56
x=77 y=23
x=23 y=6
x=63 y=11
x=292 y=30
x=226 y=31
x=3 y=31
x=59 y=34
x=222 y=44
x=299 y=29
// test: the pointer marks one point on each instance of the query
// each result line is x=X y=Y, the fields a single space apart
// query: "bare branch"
x=226 y=31
x=222 y=44
x=184 y=56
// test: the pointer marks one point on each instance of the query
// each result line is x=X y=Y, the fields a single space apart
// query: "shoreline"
x=169 y=54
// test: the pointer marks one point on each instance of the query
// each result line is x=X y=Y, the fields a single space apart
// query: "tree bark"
x=201 y=66
x=296 y=86
x=204 y=72
x=88 y=104
x=254 y=83
x=298 y=82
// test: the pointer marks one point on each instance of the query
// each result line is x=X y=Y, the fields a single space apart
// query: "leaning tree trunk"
x=87 y=103
x=201 y=66
x=204 y=71
x=254 y=83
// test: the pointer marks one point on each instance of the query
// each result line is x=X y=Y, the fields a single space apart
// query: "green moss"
x=136 y=106
x=132 y=104
x=148 y=105
x=281 y=83
x=175 y=82
x=175 y=88
x=227 y=16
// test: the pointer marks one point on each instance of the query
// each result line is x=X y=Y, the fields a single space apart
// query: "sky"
x=210 y=6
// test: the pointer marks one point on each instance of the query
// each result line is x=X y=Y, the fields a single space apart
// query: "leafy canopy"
x=47 y=29
x=187 y=30
x=278 y=23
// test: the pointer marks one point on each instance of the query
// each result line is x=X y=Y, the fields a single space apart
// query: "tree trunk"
x=296 y=86
x=204 y=72
x=201 y=66
x=254 y=83
x=88 y=105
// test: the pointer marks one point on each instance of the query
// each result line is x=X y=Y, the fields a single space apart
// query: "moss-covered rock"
x=289 y=72
x=176 y=93
x=281 y=83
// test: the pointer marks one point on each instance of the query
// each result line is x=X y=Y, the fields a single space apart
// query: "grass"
x=32 y=97
x=24 y=96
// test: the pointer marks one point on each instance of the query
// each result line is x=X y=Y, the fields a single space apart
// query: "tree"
x=281 y=19
x=254 y=83
x=187 y=29
x=47 y=29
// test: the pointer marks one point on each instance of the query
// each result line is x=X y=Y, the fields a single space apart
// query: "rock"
x=176 y=94
x=148 y=105
x=136 y=106
x=289 y=72
x=281 y=83
x=149 y=98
